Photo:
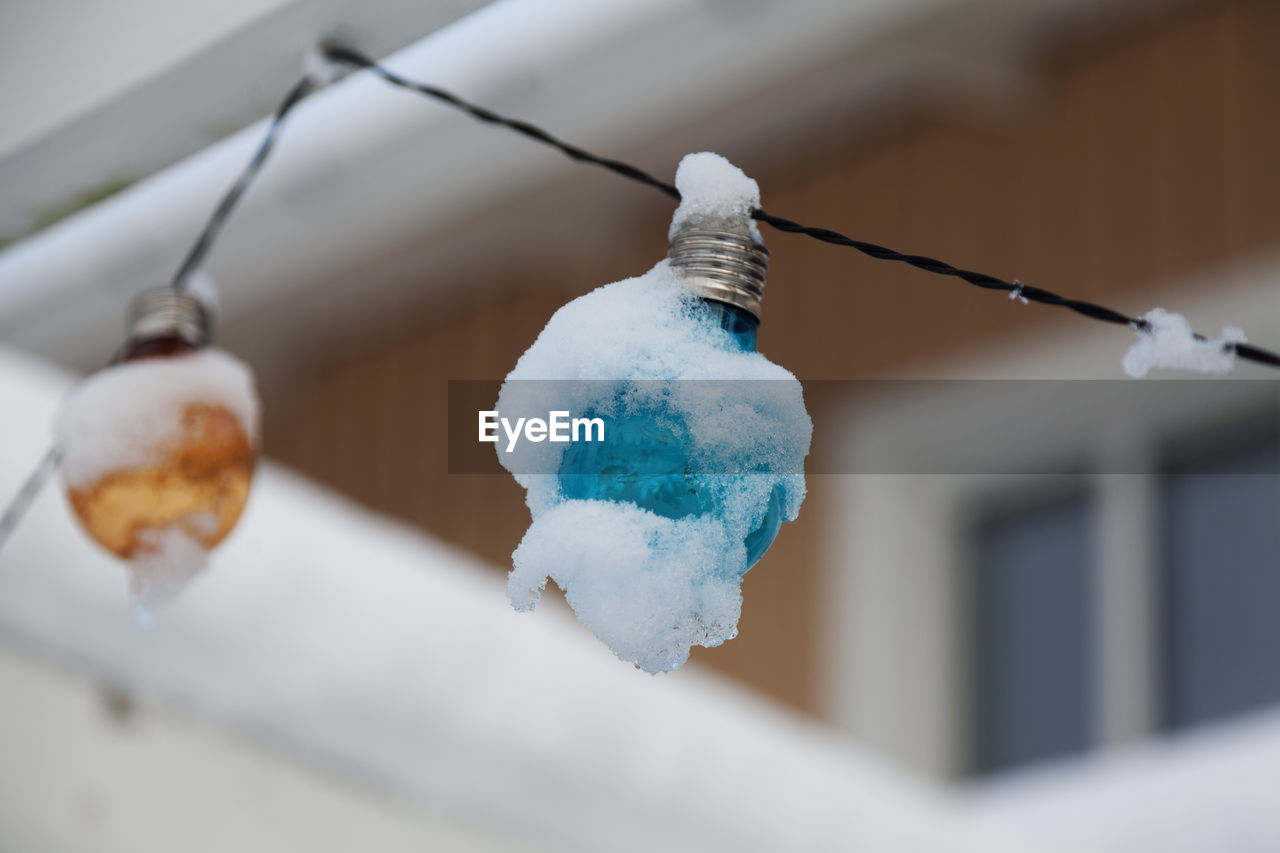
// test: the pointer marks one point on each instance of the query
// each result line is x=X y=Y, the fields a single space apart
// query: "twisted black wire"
x=978 y=279
x=347 y=56
x=1257 y=355
x=195 y=256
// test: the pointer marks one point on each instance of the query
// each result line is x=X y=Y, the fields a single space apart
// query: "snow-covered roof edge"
x=364 y=643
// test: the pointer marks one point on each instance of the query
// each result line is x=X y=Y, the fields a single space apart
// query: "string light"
x=158 y=449
x=182 y=483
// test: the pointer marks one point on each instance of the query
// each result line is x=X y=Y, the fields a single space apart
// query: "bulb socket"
x=167 y=313
x=721 y=265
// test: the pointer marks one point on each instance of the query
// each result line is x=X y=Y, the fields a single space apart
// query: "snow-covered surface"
x=1209 y=790
x=648 y=586
x=1171 y=343
x=713 y=190
x=130 y=415
x=368 y=646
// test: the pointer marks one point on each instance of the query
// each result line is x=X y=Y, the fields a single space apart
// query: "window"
x=1038 y=649
x=1053 y=570
x=1031 y=633
x=1220 y=614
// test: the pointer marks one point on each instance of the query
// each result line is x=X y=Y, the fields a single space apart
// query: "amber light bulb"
x=158 y=450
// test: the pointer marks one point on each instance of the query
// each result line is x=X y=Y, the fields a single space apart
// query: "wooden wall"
x=1143 y=155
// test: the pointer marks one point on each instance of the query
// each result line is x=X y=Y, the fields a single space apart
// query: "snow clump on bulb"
x=157 y=455
x=713 y=190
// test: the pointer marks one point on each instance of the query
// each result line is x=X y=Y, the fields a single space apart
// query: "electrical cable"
x=27 y=494
x=347 y=56
x=208 y=234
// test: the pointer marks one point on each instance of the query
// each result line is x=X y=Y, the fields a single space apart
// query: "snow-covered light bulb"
x=650 y=532
x=158 y=450
x=719 y=257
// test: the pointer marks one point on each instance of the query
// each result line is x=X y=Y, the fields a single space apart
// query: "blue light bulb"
x=645 y=459
x=695 y=454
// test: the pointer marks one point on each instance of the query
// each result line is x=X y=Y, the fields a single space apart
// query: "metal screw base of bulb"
x=722 y=265
x=169 y=313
